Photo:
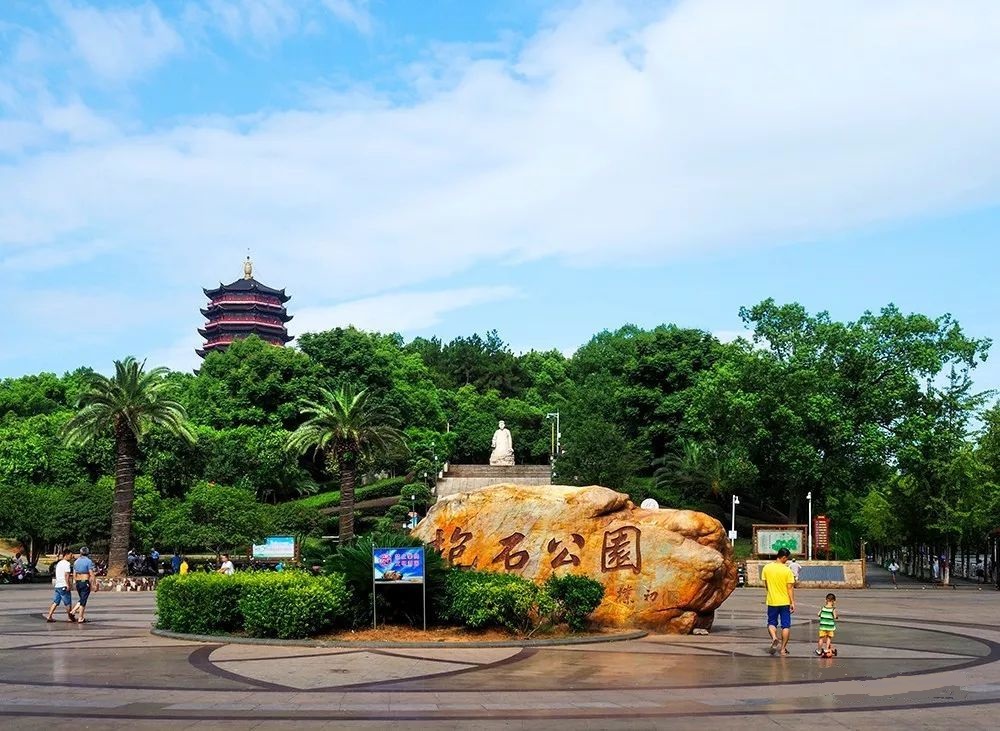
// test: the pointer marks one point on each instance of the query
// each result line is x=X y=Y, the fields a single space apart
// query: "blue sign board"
x=398 y=565
x=276 y=547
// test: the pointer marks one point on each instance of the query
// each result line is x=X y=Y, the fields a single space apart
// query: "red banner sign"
x=821 y=532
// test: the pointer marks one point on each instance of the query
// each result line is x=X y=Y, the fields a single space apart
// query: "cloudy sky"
x=548 y=169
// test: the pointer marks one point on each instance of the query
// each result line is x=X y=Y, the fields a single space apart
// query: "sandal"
x=773 y=648
x=785 y=652
x=49 y=619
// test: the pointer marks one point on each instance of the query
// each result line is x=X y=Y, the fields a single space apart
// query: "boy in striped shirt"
x=827 y=626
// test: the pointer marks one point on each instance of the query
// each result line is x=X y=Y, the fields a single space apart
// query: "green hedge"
x=486 y=599
x=200 y=603
x=575 y=597
x=389 y=487
x=265 y=604
x=294 y=609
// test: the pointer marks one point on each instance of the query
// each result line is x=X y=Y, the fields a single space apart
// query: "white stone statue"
x=503 y=446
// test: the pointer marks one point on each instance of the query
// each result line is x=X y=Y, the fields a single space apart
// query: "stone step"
x=500 y=472
x=450 y=486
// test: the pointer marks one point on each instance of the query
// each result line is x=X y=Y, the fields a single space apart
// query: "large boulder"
x=666 y=570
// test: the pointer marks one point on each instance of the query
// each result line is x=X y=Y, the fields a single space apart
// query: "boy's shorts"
x=826 y=633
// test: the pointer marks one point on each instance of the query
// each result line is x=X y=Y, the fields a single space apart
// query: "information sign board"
x=768 y=540
x=275 y=547
x=398 y=565
x=821 y=533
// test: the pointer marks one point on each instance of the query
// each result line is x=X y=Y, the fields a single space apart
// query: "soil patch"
x=406 y=633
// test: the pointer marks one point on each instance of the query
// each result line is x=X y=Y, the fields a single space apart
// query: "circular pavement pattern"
x=913 y=658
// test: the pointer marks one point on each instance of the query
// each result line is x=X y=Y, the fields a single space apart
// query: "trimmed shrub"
x=199 y=603
x=486 y=599
x=267 y=604
x=575 y=598
x=299 y=606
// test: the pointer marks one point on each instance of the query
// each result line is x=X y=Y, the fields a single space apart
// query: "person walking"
x=893 y=570
x=86 y=581
x=779 y=582
x=184 y=567
x=794 y=567
x=154 y=561
x=63 y=595
x=175 y=563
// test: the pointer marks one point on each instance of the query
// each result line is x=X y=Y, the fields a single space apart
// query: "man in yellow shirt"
x=780 y=584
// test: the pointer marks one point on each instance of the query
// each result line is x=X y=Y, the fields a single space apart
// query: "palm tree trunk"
x=126 y=449
x=346 y=498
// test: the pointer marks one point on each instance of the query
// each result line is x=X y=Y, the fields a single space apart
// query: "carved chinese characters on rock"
x=621 y=550
x=457 y=544
x=512 y=560
x=564 y=555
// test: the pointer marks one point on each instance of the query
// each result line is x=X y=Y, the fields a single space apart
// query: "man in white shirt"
x=227 y=567
x=63 y=581
x=795 y=568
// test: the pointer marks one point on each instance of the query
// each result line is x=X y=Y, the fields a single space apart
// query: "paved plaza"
x=909 y=658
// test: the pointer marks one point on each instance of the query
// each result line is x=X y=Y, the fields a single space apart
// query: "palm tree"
x=129 y=403
x=345 y=427
x=696 y=469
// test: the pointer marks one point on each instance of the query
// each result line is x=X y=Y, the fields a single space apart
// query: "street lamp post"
x=809 y=528
x=732 y=525
x=556 y=436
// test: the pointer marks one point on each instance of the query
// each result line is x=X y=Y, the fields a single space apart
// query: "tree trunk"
x=346 y=498
x=126 y=448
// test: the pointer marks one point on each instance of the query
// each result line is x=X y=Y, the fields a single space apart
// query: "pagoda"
x=244 y=307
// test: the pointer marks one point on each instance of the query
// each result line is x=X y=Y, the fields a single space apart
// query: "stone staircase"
x=461 y=477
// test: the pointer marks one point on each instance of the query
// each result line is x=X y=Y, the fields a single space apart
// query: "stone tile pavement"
x=908 y=659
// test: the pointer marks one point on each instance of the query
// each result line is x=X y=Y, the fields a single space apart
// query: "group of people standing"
x=73 y=572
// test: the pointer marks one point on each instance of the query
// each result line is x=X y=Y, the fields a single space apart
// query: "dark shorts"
x=62 y=596
x=83 y=591
x=779 y=616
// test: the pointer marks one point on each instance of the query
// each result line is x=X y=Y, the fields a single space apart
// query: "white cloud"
x=396 y=312
x=119 y=43
x=77 y=121
x=606 y=140
x=352 y=12
x=266 y=21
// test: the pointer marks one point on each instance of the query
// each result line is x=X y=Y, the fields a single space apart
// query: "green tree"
x=128 y=404
x=252 y=383
x=345 y=427
x=212 y=516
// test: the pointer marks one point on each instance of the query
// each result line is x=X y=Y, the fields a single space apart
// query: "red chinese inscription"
x=457 y=542
x=564 y=556
x=512 y=560
x=622 y=550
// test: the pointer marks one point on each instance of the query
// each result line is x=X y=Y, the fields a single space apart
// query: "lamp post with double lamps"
x=554 y=446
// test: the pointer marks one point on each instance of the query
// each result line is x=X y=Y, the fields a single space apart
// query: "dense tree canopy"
x=877 y=417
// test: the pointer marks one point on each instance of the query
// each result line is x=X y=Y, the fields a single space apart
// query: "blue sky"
x=548 y=169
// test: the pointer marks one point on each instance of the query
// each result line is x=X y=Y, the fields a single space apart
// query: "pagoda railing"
x=247 y=299
x=246 y=321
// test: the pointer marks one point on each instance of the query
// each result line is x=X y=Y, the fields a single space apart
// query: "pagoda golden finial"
x=248 y=268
